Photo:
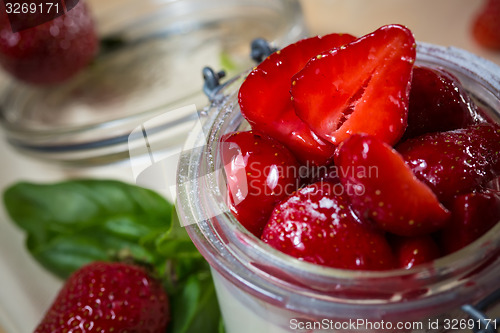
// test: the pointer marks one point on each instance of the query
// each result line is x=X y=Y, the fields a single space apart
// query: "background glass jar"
x=150 y=62
x=82 y=127
x=263 y=290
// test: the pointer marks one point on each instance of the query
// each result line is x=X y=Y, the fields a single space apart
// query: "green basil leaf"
x=195 y=307
x=79 y=202
x=176 y=242
x=76 y=222
x=222 y=328
x=66 y=253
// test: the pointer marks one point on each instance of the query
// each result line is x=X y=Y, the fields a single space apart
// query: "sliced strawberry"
x=264 y=98
x=360 y=88
x=385 y=188
x=455 y=162
x=413 y=251
x=318 y=226
x=260 y=172
x=437 y=103
x=473 y=215
x=486 y=26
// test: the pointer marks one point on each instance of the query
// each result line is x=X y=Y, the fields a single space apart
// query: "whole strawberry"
x=438 y=103
x=486 y=26
x=318 y=225
x=473 y=214
x=51 y=52
x=454 y=162
x=108 y=297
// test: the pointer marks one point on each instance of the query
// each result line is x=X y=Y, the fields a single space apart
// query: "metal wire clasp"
x=483 y=324
x=259 y=50
x=212 y=83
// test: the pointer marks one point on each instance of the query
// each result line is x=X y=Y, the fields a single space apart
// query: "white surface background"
x=26 y=290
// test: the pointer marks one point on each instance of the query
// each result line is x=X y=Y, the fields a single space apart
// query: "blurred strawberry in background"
x=50 y=52
x=486 y=26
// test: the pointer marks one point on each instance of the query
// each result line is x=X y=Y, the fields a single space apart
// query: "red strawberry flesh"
x=413 y=251
x=438 y=103
x=387 y=190
x=264 y=98
x=260 y=172
x=360 y=88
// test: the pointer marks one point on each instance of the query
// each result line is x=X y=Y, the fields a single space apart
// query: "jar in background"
x=263 y=290
x=151 y=58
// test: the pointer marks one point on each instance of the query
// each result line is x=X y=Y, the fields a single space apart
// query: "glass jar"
x=150 y=63
x=263 y=290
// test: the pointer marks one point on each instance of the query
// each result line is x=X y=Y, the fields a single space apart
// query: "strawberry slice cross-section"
x=265 y=102
x=386 y=190
x=362 y=87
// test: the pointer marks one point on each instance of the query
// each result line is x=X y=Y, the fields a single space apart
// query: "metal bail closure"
x=212 y=82
x=483 y=324
x=261 y=49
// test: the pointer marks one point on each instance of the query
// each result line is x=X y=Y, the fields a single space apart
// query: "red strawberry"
x=265 y=102
x=108 y=297
x=386 y=189
x=437 y=103
x=318 y=226
x=486 y=26
x=360 y=88
x=473 y=215
x=413 y=251
x=454 y=162
x=260 y=172
x=51 y=52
